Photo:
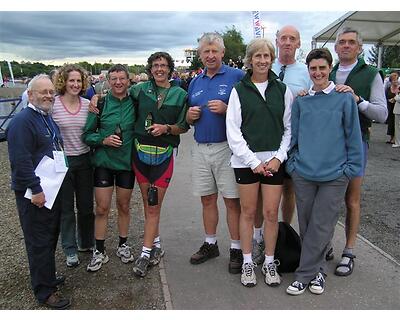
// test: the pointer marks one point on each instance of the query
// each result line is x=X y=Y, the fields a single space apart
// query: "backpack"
x=288 y=248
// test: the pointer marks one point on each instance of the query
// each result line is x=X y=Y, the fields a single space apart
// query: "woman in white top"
x=70 y=112
x=258 y=132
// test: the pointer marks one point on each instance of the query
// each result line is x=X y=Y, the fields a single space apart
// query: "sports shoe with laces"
x=317 y=285
x=257 y=253
x=72 y=260
x=235 y=261
x=98 y=259
x=271 y=274
x=248 y=277
x=206 y=251
x=124 y=252
x=141 y=266
x=57 y=301
x=296 y=288
x=155 y=255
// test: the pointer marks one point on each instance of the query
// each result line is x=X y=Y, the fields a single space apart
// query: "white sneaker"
x=395 y=145
x=97 y=261
x=124 y=252
x=72 y=260
x=317 y=285
x=296 y=288
x=271 y=274
x=248 y=277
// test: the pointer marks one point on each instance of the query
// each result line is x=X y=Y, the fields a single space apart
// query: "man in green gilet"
x=366 y=84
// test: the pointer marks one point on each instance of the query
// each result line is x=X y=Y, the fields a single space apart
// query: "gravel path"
x=112 y=287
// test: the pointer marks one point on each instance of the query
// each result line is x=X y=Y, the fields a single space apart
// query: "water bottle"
x=118 y=131
x=148 y=122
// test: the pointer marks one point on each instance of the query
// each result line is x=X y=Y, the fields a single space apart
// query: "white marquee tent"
x=376 y=27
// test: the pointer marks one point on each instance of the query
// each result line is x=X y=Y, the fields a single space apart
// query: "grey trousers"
x=318 y=205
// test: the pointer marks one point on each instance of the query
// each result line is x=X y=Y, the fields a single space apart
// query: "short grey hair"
x=36 y=78
x=254 y=46
x=211 y=38
x=349 y=30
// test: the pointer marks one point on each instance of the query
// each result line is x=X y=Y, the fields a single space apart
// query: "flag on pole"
x=11 y=72
x=1 y=78
x=256 y=24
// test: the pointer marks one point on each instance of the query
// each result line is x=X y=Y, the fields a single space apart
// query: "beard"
x=46 y=108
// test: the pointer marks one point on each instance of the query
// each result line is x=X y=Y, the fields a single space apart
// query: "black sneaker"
x=207 y=251
x=235 y=261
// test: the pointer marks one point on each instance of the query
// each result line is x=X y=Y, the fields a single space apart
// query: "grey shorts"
x=211 y=172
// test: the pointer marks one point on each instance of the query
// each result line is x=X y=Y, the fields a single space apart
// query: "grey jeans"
x=318 y=205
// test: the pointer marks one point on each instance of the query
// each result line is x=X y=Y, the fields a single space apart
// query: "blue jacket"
x=29 y=139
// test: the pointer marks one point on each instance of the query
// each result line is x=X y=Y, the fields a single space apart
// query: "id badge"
x=59 y=159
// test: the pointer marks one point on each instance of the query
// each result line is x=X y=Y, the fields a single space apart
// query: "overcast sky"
x=130 y=37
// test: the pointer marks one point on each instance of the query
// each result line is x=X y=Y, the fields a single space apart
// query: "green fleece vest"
x=360 y=80
x=262 y=120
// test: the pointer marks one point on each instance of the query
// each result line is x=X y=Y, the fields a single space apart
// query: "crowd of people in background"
x=270 y=132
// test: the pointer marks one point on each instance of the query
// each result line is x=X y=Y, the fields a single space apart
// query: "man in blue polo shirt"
x=208 y=96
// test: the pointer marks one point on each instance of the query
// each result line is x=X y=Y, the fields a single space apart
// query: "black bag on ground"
x=288 y=248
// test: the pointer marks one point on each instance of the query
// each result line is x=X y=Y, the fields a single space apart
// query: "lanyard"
x=52 y=132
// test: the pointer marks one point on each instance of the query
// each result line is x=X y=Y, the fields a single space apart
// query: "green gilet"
x=360 y=80
x=262 y=120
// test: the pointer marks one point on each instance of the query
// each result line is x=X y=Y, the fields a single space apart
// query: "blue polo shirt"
x=211 y=127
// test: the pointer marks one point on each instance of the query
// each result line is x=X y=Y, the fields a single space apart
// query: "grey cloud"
x=57 y=35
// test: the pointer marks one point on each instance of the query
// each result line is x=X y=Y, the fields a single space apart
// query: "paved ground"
x=182 y=286
x=374 y=285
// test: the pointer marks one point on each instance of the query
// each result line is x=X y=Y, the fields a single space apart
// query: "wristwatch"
x=168 y=129
x=360 y=99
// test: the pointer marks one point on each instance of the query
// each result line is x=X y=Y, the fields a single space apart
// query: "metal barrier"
x=5 y=119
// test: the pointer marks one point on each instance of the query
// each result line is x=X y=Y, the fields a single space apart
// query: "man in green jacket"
x=365 y=83
x=111 y=134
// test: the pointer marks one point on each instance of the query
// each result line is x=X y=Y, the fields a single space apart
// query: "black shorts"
x=104 y=177
x=247 y=176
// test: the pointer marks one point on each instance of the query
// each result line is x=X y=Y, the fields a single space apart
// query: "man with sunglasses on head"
x=295 y=75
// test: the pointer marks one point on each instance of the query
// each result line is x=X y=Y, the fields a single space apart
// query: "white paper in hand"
x=50 y=180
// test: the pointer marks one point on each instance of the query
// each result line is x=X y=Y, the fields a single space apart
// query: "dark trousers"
x=41 y=228
x=78 y=184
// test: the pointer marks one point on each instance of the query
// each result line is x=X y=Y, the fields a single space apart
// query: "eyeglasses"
x=45 y=92
x=282 y=73
x=159 y=66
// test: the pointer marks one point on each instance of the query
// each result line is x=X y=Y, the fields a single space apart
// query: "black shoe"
x=235 y=261
x=207 y=251
x=57 y=301
x=329 y=255
x=60 y=279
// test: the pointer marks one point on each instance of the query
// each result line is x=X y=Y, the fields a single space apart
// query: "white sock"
x=235 y=244
x=269 y=259
x=211 y=238
x=157 y=242
x=258 y=235
x=145 y=252
x=247 y=258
